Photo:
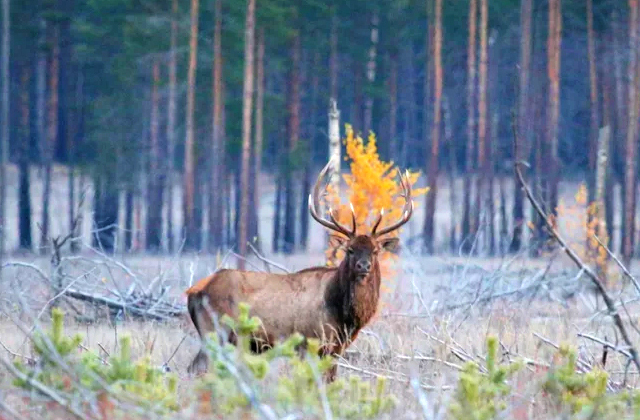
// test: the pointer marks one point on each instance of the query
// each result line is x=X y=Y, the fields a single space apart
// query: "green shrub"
x=298 y=390
x=585 y=395
x=120 y=373
x=482 y=396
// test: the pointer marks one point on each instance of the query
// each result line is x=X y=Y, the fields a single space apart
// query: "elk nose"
x=363 y=266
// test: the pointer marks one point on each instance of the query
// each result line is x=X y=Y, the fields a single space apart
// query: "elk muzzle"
x=362 y=267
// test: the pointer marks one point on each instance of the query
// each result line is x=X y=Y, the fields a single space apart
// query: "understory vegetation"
x=66 y=378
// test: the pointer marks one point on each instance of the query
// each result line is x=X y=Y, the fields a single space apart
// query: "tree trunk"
x=504 y=226
x=201 y=186
x=189 y=159
x=553 y=54
x=356 y=105
x=24 y=200
x=171 y=125
x=217 y=150
x=523 y=128
x=491 y=210
x=4 y=145
x=601 y=209
x=453 y=171
x=293 y=135
x=237 y=199
x=65 y=90
x=429 y=223
x=631 y=143
x=254 y=202
x=71 y=179
x=467 y=227
x=593 y=96
x=371 y=74
x=481 y=180
x=333 y=57
x=41 y=95
x=247 y=108
x=311 y=133
x=227 y=210
x=538 y=140
x=155 y=180
x=105 y=213
x=607 y=83
x=78 y=137
x=51 y=140
x=393 y=107
x=277 y=222
x=128 y=219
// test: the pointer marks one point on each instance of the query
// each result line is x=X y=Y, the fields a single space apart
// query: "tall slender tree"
x=171 y=123
x=467 y=227
x=523 y=142
x=24 y=195
x=311 y=134
x=293 y=99
x=481 y=180
x=392 y=84
x=52 y=126
x=156 y=175
x=632 y=137
x=333 y=55
x=553 y=67
x=216 y=195
x=189 y=154
x=247 y=108
x=4 y=145
x=429 y=230
x=41 y=92
x=594 y=125
x=256 y=169
x=371 y=72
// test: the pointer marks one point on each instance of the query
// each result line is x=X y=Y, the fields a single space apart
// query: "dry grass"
x=406 y=339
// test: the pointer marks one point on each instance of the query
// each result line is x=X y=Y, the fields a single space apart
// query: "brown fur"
x=330 y=304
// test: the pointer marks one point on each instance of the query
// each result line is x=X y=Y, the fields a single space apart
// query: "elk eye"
x=350 y=250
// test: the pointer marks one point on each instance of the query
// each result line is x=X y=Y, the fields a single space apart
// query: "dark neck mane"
x=353 y=303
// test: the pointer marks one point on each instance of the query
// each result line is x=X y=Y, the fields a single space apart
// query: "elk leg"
x=199 y=364
x=331 y=374
x=302 y=348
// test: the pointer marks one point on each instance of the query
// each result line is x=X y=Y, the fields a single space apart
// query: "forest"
x=194 y=99
x=314 y=209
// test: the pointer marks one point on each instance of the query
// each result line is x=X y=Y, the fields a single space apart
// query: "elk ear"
x=337 y=241
x=390 y=244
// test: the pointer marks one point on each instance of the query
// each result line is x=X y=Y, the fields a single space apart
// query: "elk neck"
x=352 y=301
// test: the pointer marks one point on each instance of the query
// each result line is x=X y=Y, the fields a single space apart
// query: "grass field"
x=436 y=313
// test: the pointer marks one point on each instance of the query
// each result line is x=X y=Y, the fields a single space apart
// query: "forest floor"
x=432 y=308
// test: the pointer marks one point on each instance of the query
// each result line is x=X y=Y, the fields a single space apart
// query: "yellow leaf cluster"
x=372 y=185
x=580 y=226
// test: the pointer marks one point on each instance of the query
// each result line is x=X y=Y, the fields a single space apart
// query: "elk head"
x=361 y=249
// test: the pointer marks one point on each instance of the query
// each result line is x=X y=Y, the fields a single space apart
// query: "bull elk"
x=331 y=304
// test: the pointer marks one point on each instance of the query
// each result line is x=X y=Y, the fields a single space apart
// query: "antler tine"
x=314 y=203
x=406 y=212
x=377 y=223
x=353 y=219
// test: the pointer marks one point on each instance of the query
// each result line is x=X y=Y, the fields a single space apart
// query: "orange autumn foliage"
x=372 y=184
x=579 y=224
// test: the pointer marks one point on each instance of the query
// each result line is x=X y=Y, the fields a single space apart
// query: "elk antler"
x=406 y=212
x=314 y=203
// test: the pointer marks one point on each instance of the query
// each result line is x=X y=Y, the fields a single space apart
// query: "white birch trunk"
x=334 y=146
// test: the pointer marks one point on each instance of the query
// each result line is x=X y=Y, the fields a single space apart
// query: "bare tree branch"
x=597 y=282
